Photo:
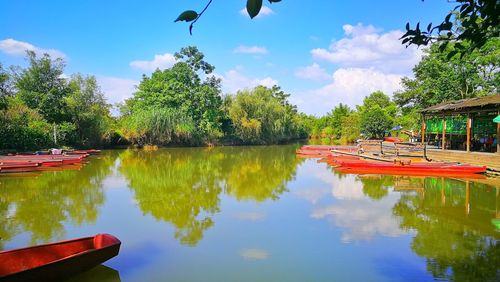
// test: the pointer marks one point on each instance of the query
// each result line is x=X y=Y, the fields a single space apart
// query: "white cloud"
x=362 y=219
x=349 y=86
x=368 y=47
x=264 y=11
x=164 y=61
x=117 y=89
x=250 y=50
x=250 y=216
x=313 y=72
x=312 y=195
x=234 y=80
x=254 y=254
x=18 y=48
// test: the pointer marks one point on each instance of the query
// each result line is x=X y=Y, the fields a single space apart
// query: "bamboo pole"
x=423 y=129
x=469 y=121
x=443 y=139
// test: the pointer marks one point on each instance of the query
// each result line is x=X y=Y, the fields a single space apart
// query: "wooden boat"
x=23 y=167
x=57 y=261
x=393 y=139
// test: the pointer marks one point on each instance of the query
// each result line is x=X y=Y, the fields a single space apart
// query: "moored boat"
x=57 y=261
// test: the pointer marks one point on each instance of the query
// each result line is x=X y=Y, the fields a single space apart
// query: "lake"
x=257 y=214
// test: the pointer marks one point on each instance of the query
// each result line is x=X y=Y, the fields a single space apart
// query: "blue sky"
x=322 y=52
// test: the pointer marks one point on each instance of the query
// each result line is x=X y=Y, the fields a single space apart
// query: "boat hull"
x=57 y=261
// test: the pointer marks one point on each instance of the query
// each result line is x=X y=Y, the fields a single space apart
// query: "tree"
x=42 y=87
x=5 y=87
x=351 y=128
x=181 y=91
x=260 y=116
x=440 y=78
x=376 y=114
x=88 y=110
x=375 y=121
x=337 y=114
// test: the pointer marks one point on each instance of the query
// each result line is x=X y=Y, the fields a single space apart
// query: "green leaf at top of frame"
x=253 y=7
x=187 y=16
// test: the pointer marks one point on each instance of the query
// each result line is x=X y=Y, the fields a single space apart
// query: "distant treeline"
x=184 y=105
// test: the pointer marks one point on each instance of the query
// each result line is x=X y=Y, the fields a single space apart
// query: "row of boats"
x=36 y=162
x=346 y=159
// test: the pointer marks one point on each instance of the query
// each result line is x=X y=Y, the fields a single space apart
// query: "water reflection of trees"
x=183 y=186
x=454 y=231
x=42 y=205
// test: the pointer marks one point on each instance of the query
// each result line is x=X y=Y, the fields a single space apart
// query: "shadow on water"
x=42 y=205
x=183 y=186
x=105 y=274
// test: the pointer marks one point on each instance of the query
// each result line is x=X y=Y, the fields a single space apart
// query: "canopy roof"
x=491 y=101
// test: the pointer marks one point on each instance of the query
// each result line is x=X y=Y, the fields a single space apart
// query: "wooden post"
x=423 y=130
x=443 y=145
x=498 y=136
x=469 y=121
x=467 y=197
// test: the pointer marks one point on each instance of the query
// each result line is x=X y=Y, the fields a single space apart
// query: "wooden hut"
x=465 y=125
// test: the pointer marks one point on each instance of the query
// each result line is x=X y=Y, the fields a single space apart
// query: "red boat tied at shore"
x=57 y=261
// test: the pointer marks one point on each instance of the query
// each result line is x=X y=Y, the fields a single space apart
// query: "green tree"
x=337 y=114
x=351 y=128
x=377 y=114
x=439 y=78
x=375 y=121
x=89 y=111
x=23 y=128
x=5 y=87
x=181 y=90
x=260 y=116
x=42 y=87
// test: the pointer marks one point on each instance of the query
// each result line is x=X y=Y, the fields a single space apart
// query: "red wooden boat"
x=57 y=261
x=23 y=167
x=393 y=139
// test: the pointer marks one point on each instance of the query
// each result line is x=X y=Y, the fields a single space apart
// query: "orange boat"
x=393 y=139
x=57 y=261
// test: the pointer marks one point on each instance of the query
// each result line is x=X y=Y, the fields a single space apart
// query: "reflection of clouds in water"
x=362 y=219
x=312 y=169
x=348 y=188
x=312 y=195
x=250 y=216
x=114 y=181
x=254 y=254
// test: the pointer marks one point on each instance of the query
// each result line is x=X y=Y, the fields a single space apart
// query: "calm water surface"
x=257 y=214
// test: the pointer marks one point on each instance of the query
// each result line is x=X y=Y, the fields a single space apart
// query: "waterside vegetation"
x=40 y=107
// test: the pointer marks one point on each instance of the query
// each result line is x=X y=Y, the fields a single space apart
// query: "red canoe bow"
x=57 y=261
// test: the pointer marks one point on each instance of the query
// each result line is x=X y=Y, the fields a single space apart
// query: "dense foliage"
x=39 y=108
